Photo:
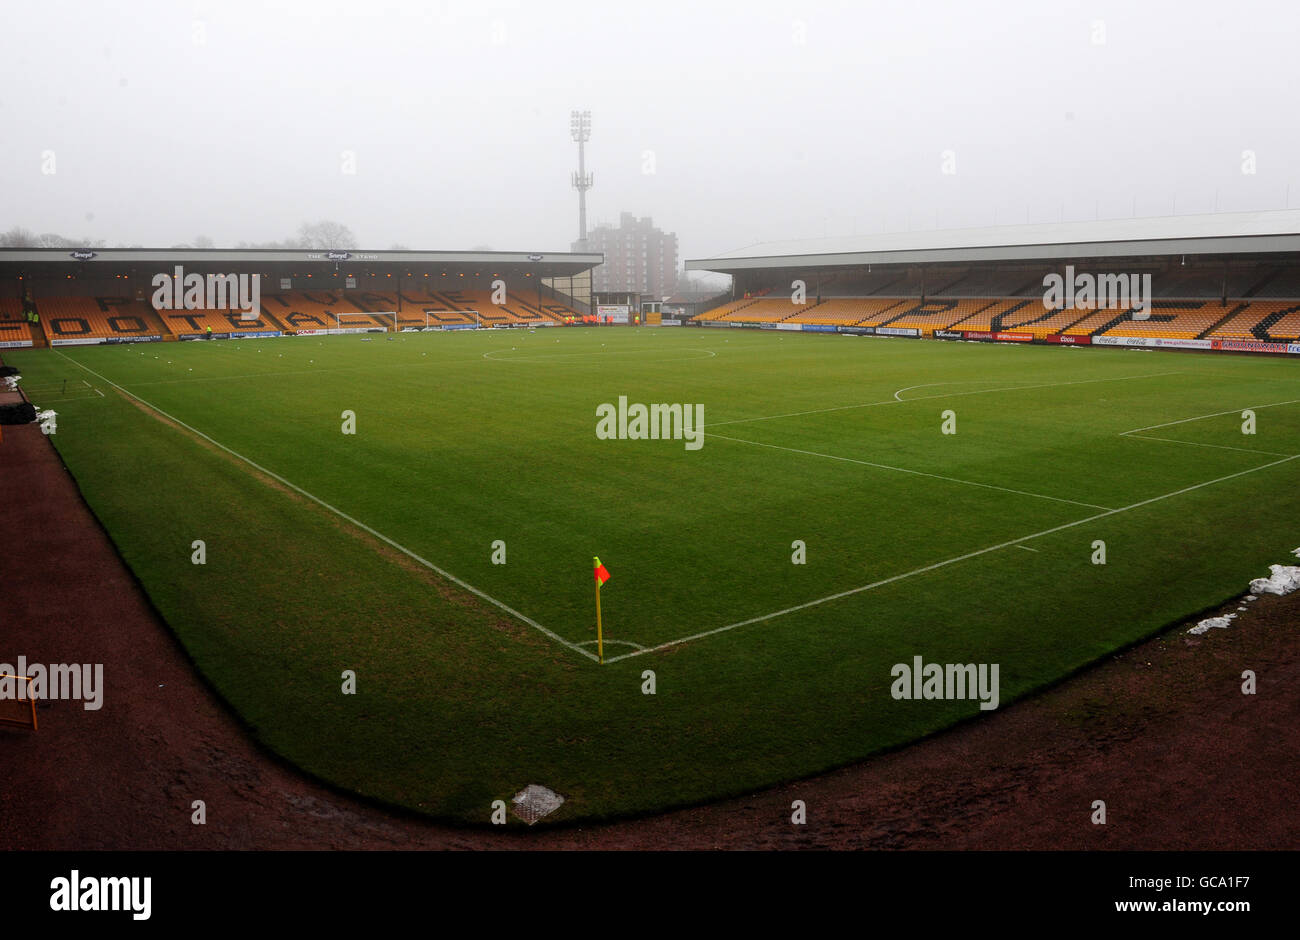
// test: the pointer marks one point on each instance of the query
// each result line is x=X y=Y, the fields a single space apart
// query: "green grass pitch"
x=973 y=547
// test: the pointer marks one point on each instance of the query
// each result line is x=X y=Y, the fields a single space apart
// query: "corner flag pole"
x=600 y=639
x=601 y=577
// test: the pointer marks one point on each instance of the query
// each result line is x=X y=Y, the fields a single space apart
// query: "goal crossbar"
x=374 y=321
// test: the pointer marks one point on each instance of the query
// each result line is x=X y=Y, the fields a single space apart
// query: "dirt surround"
x=1162 y=733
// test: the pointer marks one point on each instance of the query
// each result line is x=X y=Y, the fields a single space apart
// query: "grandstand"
x=77 y=320
x=14 y=328
x=107 y=296
x=833 y=311
x=1213 y=279
x=1267 y=321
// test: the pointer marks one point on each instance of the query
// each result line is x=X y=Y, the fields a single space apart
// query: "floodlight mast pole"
x=580 y=131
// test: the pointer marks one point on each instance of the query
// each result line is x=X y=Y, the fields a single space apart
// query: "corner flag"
x=601 y=577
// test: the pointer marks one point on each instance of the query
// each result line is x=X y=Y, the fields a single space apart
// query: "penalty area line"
x=342 y=515
x=1170 y=440
x=943 y=564
x=903 y=401
x=919 y=473
x=1216 y=414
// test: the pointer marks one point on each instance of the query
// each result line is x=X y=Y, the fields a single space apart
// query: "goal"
x=366 y=322
x=449 y=319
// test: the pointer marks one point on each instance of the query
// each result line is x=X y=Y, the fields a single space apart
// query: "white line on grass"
x=903 y=401
x=1018 y=388
x=1169 y=424
x=1136 y=434
x=40 y=391
x=919 y=473
x=342 y=515
x=56 y=401
x=1170 y=440
x=1028 y=549
x=271 y=375
x=635 y=646
x=639 y=651
x=943 y=564
x=586 y=357
x=933 y=385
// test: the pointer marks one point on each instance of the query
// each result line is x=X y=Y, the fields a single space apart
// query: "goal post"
x=365 y=322
x=449 y=319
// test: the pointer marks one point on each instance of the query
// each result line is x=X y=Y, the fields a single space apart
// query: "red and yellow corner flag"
x=601 y=577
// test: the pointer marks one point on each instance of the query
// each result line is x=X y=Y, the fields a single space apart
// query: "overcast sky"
x=729 y=123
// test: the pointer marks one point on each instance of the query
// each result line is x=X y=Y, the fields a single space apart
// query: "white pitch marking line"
x=919 y=473
x=943 y=564
x=342 y=515
x=1028 y=549
x=1170 y=440
x=931 y=385
x=636 y=646
x=585 y=357
x=638 y=652
x=256 y=375
x=1217 y=414
x=898 y=401
x=269 y=375
x=55 y=401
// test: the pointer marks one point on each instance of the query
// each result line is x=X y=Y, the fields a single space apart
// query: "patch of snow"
x=535 y=801
x=1220 y=623
x=1284 y=580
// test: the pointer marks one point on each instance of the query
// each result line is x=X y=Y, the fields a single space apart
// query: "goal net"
x=437 y=319
x=365 y=322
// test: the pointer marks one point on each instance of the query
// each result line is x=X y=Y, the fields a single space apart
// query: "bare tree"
x=55 y=240
x=18 y=237
x=324 y=235
x=287 y=243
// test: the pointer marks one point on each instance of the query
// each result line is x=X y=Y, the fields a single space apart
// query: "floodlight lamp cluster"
x=580 y=125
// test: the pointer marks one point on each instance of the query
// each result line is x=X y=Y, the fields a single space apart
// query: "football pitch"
x=856 y=502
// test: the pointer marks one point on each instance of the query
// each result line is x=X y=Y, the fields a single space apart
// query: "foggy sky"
x=765 y=121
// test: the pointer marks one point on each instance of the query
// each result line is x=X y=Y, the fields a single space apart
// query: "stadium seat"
x=69 y=320
x=14 y=327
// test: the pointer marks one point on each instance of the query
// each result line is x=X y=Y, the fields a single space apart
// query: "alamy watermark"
x=655 y=422
x=946 y=681
x=1098 y=291
x=79 y=892
x=181 y=291
x=64 y=681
